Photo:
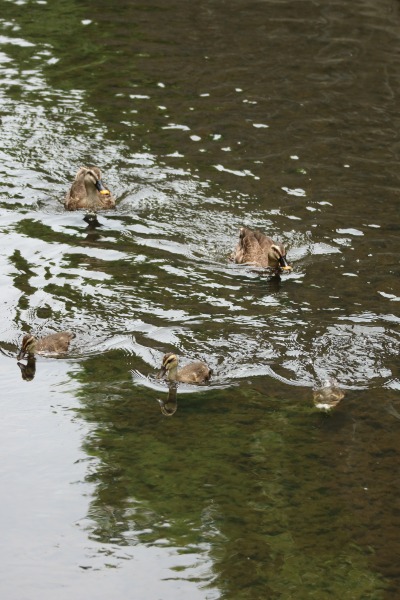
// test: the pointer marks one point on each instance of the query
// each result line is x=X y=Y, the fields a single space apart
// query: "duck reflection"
x=93 y=233
x=28 y=369
x=170 y=406
x=91 y=219
x=93 y=236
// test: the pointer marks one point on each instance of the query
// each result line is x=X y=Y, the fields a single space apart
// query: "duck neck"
x=31 y=349
x=173 y=373
x=272 y=260
x=91 y=193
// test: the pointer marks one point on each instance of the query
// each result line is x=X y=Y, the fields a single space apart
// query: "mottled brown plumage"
x=88 y=191
x=56 y=343
x=196 y=372
x=256 y=249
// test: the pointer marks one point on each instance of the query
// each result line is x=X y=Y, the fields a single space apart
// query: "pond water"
x=281 y=115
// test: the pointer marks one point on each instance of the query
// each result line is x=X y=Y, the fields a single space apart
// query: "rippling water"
x=276 y=114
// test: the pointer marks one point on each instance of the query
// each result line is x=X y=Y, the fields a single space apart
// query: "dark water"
x=281 y=115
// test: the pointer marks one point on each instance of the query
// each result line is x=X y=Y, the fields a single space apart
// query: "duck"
x=55 y=343
x=255 y=248
x=196 y=372
x=88 y=192
x=328 y=395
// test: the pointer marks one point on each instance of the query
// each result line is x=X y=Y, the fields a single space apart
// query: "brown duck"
x=88 y=192
x=196 y=372
x=256 y=249
x=56 y=343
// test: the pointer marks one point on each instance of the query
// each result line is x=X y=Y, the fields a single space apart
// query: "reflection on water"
x=28 y=369
x=327 y=395
x=169 y=406
x=204 y=118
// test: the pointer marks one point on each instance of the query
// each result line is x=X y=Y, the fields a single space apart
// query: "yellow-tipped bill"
x=284 y=265
x=100 y=187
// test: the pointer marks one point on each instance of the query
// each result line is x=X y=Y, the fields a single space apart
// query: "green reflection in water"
x=236 y=475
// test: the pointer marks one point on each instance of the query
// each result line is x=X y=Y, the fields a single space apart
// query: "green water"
x=279 y=115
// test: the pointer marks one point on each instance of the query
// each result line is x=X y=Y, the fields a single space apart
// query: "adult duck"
x=256 y=249
x=88 y=191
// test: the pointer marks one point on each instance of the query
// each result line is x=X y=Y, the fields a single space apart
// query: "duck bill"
x=161 y=373
x=21 y=354
x=100 y=187
x=284 y=265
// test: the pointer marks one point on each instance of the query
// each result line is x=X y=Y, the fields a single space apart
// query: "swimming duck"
x=88 y=191
x=328 y=395
x=56 y=343
x=255 y=248
x=196 y=372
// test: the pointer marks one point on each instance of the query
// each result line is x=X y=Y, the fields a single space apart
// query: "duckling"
x=56 y=343
x=88 y=191
x=328 y=395
x=196 y=372
x=257 y=249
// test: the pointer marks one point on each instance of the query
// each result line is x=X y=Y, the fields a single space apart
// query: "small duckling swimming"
x=196 y=372
x=255 y=248
x=328 y=395
x=88 y=191
x=56 y=343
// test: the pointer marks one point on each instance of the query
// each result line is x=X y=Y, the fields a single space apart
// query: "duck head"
x=169 y=362
x=92 y=177
x=277 y=256
x=27 y=346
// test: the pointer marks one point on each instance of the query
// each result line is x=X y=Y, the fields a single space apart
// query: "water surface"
x=278 y=115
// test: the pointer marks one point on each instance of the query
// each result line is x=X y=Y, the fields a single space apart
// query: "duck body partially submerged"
x=55 y=343
x=88 y=191
x=257 y=249
x=196 y=372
